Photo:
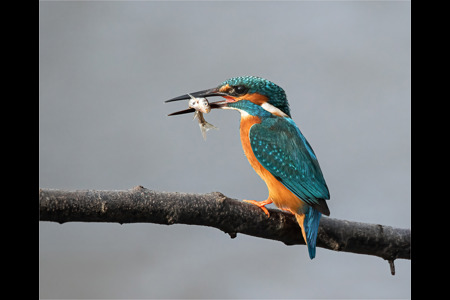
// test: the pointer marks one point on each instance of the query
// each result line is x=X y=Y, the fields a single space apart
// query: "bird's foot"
x=260 y=204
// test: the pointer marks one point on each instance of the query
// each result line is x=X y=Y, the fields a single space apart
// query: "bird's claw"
x=261 y=205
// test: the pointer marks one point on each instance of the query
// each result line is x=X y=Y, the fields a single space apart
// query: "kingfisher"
x=276 y=149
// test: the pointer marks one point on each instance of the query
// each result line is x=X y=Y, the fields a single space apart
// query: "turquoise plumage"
x=276 y=149
x=277 y=96
x=282 y=149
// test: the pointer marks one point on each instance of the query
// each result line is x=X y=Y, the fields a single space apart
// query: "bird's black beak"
x=200 y=94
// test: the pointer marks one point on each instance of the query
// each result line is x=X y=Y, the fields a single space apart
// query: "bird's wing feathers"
x=282 y=149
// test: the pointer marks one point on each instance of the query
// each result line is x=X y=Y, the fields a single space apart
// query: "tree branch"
x=140 y=205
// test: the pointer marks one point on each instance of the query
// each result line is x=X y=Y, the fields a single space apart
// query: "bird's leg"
x=261 y=204
x=288 y=210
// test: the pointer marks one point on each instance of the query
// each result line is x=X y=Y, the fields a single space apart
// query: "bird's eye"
x=240 y=89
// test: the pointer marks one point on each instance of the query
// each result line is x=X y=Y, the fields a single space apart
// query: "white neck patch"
x=273 y=110
x=266 y=106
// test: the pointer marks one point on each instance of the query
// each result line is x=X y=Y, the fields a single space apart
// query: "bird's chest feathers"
x=278 y=193
x=247 y=121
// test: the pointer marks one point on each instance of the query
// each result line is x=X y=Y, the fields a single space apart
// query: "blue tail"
x=311 y=227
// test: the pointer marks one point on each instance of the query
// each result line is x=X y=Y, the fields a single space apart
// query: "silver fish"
x=201 y=106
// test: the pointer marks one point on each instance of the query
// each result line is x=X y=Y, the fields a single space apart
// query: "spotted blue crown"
x=275 y=94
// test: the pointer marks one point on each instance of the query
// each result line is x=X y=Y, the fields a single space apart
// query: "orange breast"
x=278 y=193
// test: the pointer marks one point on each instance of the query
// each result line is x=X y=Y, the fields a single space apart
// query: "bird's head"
x=246 y=93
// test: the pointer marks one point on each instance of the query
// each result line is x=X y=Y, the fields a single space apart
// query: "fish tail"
x=207 y=126
x=204 y=127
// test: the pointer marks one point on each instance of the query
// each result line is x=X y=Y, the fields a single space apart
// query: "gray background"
x=106 y=69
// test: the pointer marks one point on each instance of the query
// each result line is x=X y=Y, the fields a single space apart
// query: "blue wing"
x=282 y=149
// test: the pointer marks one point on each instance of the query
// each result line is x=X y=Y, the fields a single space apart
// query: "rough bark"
x=141 y=205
